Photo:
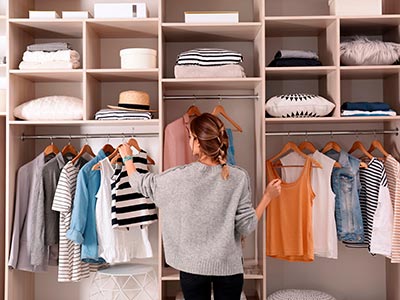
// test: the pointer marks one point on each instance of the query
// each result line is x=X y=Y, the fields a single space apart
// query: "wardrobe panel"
x=2 y=198
x=296 y=8
x=248 y=11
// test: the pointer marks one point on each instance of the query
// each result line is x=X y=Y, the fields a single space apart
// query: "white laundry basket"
x=127 y=282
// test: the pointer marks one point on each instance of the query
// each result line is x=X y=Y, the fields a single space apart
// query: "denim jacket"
x=346 y=185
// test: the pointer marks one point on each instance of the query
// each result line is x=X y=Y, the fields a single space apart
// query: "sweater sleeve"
x=146 y=184
x=245 y=219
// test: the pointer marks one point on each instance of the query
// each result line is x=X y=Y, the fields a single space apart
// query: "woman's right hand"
x=273 y=189
x=125 y=150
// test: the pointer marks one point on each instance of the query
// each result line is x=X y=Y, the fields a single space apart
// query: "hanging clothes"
x=83 y=222
x=70 y=266
x=231 y=148
x=129 y=207
x=324 y=224
x=392 y=167
x=376 y=208
x=27 y=192
x=117 y=246
x=176 y=143
x=46 y=222
x=346 y=185
x=289 y=218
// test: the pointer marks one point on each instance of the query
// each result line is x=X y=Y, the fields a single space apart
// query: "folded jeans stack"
x=295 y=58
x=366 y=109
x=58 y=55
x=209 y=62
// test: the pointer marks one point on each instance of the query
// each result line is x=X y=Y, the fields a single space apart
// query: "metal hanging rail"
x=208 y=97
x=331 y=133
x=88 y=136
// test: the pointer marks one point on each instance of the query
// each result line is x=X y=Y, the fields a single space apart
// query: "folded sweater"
x=49 y=46
x=64 y=65
x=209 y=57
x=42 y=56
x=230 y=71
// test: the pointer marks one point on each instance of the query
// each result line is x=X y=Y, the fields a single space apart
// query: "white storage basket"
x=138 y=58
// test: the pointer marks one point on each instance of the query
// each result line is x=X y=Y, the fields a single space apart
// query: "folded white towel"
x=42 y=56
x=64 y=65
x=231 y=71
x=391 y=113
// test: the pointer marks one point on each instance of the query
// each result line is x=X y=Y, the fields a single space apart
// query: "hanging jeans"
x=346 y=186
x=198 y=287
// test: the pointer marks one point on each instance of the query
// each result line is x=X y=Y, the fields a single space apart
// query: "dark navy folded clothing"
x=365 y=106
x=294 y=62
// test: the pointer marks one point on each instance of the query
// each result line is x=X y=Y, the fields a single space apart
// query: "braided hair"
x=209 y=130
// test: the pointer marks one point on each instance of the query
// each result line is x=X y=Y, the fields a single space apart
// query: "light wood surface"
x=124 y=75
x=298 y=72
x=50 y=76
x=131 y=28
x=59 y=28
x=368 y=72
x=211 y=83
x=297 y=26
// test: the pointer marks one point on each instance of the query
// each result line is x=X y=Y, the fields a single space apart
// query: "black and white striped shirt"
x=373 y=182
x=128 y=206
x=209 y=57
x=117 y=114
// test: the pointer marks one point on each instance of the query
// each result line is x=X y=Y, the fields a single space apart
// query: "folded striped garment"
x=209 y=57
x=116 y=114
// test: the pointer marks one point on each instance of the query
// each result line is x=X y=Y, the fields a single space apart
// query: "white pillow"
x=50 y=108
x=362 y=51
x=293 y=294
x=298 y=106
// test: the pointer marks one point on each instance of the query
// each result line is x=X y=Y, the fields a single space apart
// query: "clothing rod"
x=353 y=132
x=88 y=136
x=205 y=97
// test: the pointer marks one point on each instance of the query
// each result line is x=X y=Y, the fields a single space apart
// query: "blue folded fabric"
x=365 y=106
x=294 y=62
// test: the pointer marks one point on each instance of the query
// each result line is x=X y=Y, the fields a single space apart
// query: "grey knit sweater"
x=202 y=216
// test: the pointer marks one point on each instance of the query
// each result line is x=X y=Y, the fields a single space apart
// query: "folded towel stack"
x=52 y=56
x=295 y=58
x=118 y=114
x=366 y=109
x=209 y=62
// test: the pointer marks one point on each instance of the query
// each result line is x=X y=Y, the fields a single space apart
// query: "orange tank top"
x=289 y=218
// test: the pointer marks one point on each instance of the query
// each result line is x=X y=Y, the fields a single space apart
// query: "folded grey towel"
x=49 y=47
x=231 y=71
x=296 y=54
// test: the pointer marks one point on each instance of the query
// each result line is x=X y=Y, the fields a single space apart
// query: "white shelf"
x=123 y=75
x=50 y=75
x=57 y=28
x=212 y=83
x=285 y=73
x=297 y=26
x=3 y=114
x=123 y=28
x=368 y=72
x=182 y=32
x=368 y=25
x=152 y=122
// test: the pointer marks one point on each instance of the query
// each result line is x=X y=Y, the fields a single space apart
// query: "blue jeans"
x=198 y=287
x=346 y=186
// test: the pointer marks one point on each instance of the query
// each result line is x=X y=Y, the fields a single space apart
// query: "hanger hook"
x=108 y=138
x=220 y=99
x=69 y=141
x=194 y=99
x=306 y=136
x=375 y=137
x=357 y=138
x=51 y=140
x=331 y=135
x=87 y=139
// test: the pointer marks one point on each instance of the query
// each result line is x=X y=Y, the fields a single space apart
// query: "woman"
x=205 y=210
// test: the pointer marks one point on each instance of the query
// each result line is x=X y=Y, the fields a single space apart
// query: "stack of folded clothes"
x=295 y=58
x=117 y=114
x=366 y=109
x=57 y=55
x=209 y=62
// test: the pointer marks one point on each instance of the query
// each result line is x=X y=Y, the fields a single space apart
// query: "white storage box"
x=138 y=58
x=211 y=17
x=355 y=7
x=120 y=10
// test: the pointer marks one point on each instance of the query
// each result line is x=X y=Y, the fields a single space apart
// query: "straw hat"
x=133 y=100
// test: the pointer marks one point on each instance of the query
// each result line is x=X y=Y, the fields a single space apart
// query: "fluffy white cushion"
x=298 y=106
x=292 y=294
x=362 y=51
x=50 y=108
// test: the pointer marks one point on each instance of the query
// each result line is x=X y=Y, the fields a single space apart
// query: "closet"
x=265 y=27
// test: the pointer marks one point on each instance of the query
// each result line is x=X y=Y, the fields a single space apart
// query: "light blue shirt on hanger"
x=83 y=221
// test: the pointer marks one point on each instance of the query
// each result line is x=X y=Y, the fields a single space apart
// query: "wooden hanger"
x=133 y=142
x=110 y=157
x=331 y=145
x=219 y=109
x=107 y=148
x=378 y=146
x=85 y=149
x=357 y=145
x=293 y=147
x=306 y=145
x=69 y=149
x=51 y=149
x=193 y=111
